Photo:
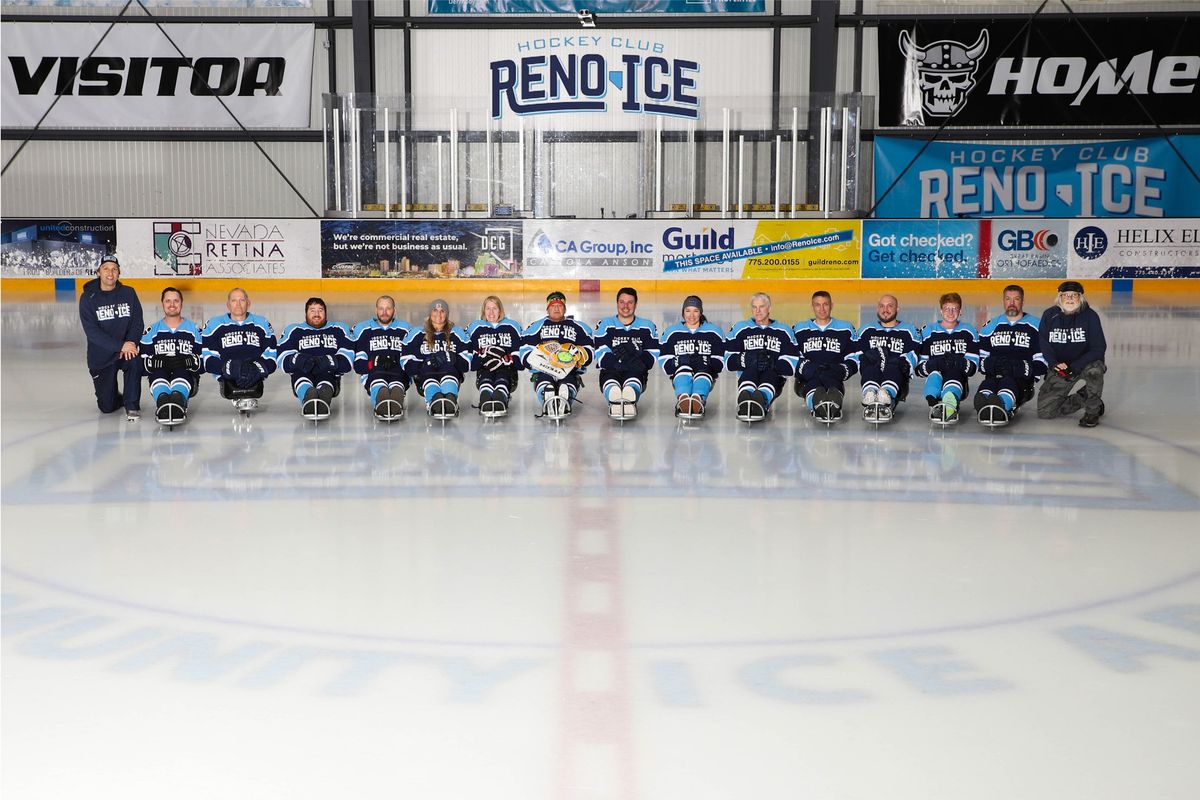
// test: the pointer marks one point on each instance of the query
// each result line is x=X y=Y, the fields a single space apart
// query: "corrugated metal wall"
x=144 y=179
x=450 y=69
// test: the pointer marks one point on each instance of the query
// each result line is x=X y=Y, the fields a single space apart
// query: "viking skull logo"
x=946 y=70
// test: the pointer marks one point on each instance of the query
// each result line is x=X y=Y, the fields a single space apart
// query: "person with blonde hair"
x=436 y=355
x=495 y=343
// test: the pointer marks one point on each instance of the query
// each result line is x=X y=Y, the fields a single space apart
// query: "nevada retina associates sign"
x=1118 y=72
x=136 y=77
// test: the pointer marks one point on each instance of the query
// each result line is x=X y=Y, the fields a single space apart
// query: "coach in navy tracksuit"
x=112 y=321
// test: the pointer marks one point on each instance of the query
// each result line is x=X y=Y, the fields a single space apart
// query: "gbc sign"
x=1022 y=240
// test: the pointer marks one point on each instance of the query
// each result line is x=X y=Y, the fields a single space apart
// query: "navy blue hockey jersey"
x=699 y=350
x=748 y=337
x=612 y=333
x=331 y=339
x=225 y=339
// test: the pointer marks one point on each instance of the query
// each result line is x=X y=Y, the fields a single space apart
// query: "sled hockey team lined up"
x=1012 y=352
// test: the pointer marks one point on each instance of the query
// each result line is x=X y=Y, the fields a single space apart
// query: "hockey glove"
x=437 y=361
x=1019 y=370
x=1065 y=373
x=231 y=370
x=628 y=356
x=693 y=361
x=954 y=364
x=326 y=366
x=765 y=360
x=250 y=374
x=384 y=362
x=191 y=363
x=809 y=369
x=155 y=363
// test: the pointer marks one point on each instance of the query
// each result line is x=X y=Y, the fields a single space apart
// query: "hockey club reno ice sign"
x=558 y=74
x=1050 y=74
x=137 y=79
x=1127 y=178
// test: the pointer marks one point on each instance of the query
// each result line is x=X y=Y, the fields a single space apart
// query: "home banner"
x=1126 y=178
x=1081 y=70
x=132 y=76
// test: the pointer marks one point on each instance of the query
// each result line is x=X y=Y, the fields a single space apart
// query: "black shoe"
x=1100 y=411
x=745 y=396
x=1089 y=420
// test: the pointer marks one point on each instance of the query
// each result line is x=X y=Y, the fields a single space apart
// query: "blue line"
x=864 y=637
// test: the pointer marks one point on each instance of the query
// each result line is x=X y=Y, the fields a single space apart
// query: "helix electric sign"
x=558 y=74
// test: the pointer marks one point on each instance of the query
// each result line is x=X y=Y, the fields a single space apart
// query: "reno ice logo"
x=1090 y=243
x=946 y=70
x=1022 y=241
x=549 y=82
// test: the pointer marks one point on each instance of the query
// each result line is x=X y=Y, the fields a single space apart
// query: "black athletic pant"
x=104 y=381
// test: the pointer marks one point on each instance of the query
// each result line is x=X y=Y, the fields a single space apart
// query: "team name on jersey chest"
x=893 y=344
x=944 y=345
x=559 y=332
x=173 y=347
x=498 y=339
x=241 y=337
x=311 y=341
x=762 y=341
x=815 y=344
x=446 y=345
x=634 y=340
x=385 y=341
x=1068 y=335
x=693 y=347
x=112 y=311
x=1011 y=339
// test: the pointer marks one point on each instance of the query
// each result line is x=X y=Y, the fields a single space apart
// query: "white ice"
x=268 y=608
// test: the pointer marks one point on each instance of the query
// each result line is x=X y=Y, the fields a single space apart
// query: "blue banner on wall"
x=596 y=6
x=1131 y=178
x=920 y=249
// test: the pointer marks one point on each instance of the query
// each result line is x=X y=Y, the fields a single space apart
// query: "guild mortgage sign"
x=552 y=82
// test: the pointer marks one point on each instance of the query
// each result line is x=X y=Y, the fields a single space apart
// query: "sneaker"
x=132 y=415
x=1089 y=421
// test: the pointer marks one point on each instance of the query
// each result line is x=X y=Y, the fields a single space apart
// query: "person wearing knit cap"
x=495 y=343
x=379 y=357
x=1010 y=359
x=316 y=353
x=825 y=345
x=556 y=396
x=691 y=354
x=1072 y=342
x=111 y=315
x=763 y=350
x=435 y=356
x=626 y=349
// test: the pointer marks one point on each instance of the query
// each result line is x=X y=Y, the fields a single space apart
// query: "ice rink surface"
x=268 y=608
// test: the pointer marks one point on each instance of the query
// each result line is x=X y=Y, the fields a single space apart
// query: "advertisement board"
x=1027 y=248
x=597 y=6
x=133 y=76
x=917 y=248
x=219 y=248
x=1104 y=248
x=1085 y=69
x=66 y=248
x=421 y=249
x=692 y=249
x=1129 y=178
